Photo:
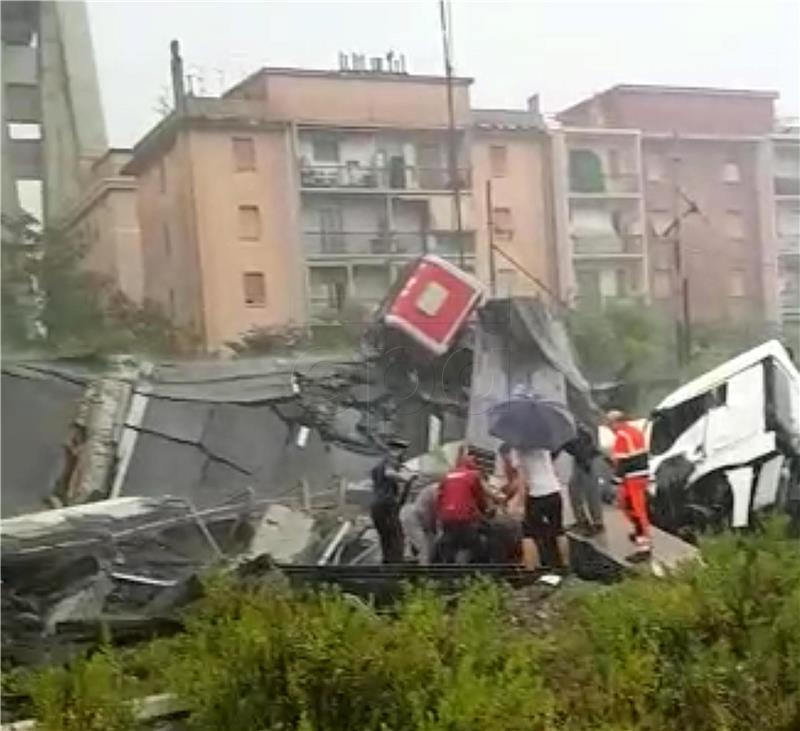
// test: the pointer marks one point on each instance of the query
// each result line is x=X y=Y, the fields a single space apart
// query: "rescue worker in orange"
x=629 y=458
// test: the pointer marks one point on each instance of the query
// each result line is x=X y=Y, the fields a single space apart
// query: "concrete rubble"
x=168 y=469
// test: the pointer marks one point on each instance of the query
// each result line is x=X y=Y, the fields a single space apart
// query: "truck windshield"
x=669 y=424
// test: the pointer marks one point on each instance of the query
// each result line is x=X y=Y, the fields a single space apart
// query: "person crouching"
x=460 y=508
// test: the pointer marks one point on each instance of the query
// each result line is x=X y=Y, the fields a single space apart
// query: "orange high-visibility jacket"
x=629 y=454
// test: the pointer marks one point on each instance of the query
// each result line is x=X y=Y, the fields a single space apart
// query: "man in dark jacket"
x=584 y=488
x=387 y=498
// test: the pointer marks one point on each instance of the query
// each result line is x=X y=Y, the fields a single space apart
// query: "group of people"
x=517 y=514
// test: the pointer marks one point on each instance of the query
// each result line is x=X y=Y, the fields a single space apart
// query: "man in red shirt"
x=629 y=456
x=460 y=507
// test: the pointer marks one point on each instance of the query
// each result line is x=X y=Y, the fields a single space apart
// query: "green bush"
x=717 y=646
x=88 y=695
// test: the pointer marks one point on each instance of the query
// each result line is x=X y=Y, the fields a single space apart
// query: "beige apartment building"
x=510 y=152
x=299 y=195
x=106 y=219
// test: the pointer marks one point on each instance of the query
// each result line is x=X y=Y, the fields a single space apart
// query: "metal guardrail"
x=391 y=177
x=789 y=245
x=364 y=242
x=387 y=243
x=607 y=245
x=626 y=183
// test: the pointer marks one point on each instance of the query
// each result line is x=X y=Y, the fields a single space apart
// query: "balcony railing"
x=790 y=304
x=607 y=246
x=624 y=183
x=391 y=177
x=789 y=245
x=595 y=299
x=386 y=243
x=787 y=186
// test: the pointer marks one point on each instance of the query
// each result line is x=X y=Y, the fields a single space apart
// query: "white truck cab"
x=719 y=444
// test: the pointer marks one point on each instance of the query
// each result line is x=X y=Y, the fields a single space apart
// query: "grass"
x=715 y=647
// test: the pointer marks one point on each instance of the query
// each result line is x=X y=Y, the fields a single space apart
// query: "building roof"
x=697 y=90
x=667 y=89
x=507 y=120
x=200 y=111
x=349 y=75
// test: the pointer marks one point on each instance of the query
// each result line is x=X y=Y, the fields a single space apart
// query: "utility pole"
x=452 y=142
x=490 y=232
x=683 y=321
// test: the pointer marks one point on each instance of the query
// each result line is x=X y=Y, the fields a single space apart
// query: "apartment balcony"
x=787 y=187
x=789 y=246
x=382 y=244
x=790 y=305
x=608 y=247
x=357 y=177
x=594 y=300
x=625 y=185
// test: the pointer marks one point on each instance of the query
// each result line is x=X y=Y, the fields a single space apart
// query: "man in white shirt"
x=419 y=523
x=544 y=521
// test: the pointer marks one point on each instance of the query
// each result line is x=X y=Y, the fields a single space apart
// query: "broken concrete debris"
x=127 y=563
x=225 y=463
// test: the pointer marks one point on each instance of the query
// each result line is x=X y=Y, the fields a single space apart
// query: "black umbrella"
x=531 y=422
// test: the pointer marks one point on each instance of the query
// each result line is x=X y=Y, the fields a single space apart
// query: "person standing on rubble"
x=584 y=487
x=460 y=508
x=631 y=474
x=387 y=486
x=418 y=520
x=543 y=525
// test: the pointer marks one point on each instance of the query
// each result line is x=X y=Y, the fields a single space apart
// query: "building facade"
x=786 y=186
x=678 y=182
x=511 y=161
x=106 y=220
x=52 y=119
x=299 y=196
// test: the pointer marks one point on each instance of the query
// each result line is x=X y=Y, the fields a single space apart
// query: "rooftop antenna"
x=176 y=69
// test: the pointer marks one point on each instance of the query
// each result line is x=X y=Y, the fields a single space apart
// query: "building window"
x=328 y=289
x=244 y=154
x=585 y=172
x=654 y=167
x=731 y=173
x=162 y=177
x=736 y=283
x=506 y=281
x=498 y=160
x=249 y=223
x=662 y=284
x=167 y=241
x=734 y=224
x=255 y=290
x=326 y=149
x=503 y=223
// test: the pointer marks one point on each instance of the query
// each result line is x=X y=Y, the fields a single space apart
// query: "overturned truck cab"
x=726 y=445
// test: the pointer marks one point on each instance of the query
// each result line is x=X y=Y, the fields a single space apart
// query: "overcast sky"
x=562 y=49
